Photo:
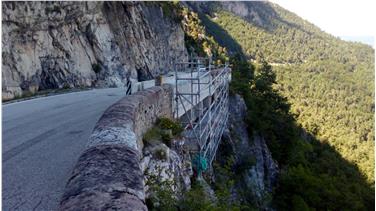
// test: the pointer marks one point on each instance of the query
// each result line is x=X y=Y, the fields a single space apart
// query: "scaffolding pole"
x=200 y=81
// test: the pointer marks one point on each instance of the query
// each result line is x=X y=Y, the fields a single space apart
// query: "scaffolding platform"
x=201 y=104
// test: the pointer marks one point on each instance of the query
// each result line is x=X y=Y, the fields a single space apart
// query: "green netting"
x=199 y=163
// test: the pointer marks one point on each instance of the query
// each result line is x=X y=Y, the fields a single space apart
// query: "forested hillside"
x=324 y=141
x=328 y=81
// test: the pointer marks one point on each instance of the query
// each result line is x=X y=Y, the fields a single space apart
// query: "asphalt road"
x=41 y=141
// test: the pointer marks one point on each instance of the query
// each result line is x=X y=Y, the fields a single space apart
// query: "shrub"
x=246 y=162
x=165 y=130
x=66 y=86
x=152 y=136
x=96 y=67
x=196 y=199
x=166 y=123
x=167 y=137
x=161 y=154
x=162 y=196
x=171 y=10
x=299 y=204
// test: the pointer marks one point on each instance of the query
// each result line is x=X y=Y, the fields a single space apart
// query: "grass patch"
x=169 y=124
x=152 y=136
x=165 y=130
x=161 y=154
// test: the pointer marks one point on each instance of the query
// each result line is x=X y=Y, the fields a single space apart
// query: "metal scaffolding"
x=201 y=94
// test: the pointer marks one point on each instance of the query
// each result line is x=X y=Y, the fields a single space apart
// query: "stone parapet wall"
x=107 y=175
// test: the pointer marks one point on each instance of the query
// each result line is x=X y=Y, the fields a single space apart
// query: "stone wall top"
x=108 y=174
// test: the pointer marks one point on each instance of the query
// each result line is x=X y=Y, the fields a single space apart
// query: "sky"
x=348 y=19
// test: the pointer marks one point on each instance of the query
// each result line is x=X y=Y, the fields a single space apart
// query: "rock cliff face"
x=166 y=167
x=72 y=44
x=256 y=12
x=257 y=179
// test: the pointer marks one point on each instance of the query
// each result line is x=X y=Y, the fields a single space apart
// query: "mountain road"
x=42 y=139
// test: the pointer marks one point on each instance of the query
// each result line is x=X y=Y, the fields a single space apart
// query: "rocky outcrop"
x=49 y=45
x=260 y=171
x=261 y=177
x=108 y=175
x=168 y=166
x=261 y=14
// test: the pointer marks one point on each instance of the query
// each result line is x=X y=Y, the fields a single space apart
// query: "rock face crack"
x=260 y=178
x=97 y=43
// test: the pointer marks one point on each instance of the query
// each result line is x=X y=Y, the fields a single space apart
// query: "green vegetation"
x=161 y=154
x=163 y=197
x=66 y=86
x=152 y=136
x=287 y=40
x=170 y=9
x=245 y=163
x=197 y=40
x=329 y=82
x=227 y=174
x=169 y=124
x=315 y=107
x=313 y=174
x=196 y=199
x=165 y=129
x=96 y=68
x=337 y=108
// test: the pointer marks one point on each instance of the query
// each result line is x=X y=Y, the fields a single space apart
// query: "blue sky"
x=347 y=19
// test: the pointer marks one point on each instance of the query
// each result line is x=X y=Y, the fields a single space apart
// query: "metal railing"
x=204 y=83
